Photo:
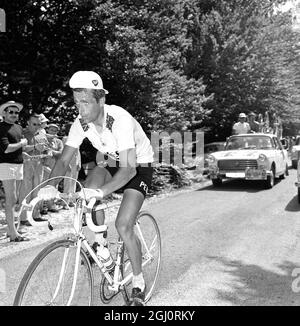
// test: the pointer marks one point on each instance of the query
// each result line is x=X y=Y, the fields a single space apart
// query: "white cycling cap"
x=86 y=79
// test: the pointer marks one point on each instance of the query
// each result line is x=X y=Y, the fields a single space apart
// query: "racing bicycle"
x=63 y=273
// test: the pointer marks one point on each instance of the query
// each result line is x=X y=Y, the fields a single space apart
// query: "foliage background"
x=179 y=65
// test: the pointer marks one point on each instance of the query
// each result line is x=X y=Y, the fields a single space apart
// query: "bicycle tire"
x=151 y=234
x=36 y=278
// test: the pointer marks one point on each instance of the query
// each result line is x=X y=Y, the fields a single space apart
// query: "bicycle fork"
x=62 y=273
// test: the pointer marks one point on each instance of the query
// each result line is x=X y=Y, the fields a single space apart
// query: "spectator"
x=277 y=126
x=261 y=122
x=267 y=127
x=33 y=168
x=11 y=163
x=56 y=148
x=43 y=121
x=254 y=125
x=74 y=166
x=241 y=127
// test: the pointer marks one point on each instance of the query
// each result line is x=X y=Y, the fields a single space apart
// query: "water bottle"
x=105 y=257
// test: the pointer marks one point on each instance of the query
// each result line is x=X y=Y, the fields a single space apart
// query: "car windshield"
x=210 y=148
x=248 y=142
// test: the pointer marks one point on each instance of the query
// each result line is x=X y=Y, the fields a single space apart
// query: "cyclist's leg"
x=131 y=203
x=97 y=178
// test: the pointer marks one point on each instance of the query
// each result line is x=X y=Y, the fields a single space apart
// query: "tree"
x=240 y=49
x=44 y=43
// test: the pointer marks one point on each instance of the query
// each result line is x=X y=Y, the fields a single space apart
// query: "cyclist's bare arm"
x=125 y=173
x=62 y=164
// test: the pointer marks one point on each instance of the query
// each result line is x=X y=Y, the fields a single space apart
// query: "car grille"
x=237 y=165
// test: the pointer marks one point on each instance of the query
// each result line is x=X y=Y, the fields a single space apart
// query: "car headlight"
x=262 y=158
x=294 y=150
x=211 y=159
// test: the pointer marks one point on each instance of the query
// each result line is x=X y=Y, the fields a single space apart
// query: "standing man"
x=116 y=134
x=254 y=125
x=33 y=168
x=11 y=162
x=241 y=127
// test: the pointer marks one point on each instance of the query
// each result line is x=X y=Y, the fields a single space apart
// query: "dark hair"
x=33 y=115
x=97 y=93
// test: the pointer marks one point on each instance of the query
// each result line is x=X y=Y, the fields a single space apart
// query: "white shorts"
x=11 y=171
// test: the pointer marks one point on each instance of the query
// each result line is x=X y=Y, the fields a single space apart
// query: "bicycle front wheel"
x=49 y=279
x=147 y=231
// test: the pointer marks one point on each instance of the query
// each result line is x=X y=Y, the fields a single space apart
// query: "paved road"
x=237 y=245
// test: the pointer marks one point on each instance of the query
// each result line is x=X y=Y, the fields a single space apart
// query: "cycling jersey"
x=120 y=132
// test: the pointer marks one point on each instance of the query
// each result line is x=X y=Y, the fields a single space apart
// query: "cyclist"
x=126 y=162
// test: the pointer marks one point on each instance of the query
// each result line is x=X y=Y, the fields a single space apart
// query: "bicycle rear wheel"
x=147 y=231
x=49 y=278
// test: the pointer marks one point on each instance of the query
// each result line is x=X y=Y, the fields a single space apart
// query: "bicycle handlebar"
x=89 y=221
x=73 y=197
x=88 y=208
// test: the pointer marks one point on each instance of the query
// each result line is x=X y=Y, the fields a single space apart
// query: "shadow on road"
x=293 y=205
x=238 y=185
x=252 y=285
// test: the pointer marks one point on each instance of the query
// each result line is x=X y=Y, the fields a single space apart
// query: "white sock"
x=138 y=282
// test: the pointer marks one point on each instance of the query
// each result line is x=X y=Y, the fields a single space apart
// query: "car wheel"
x=217 y=182
x=286 y=173
x=294 y=164
x=269 y=183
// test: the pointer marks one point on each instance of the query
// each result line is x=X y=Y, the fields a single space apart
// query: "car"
x=256 y=156
x=209 y=149
x=295 y=153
